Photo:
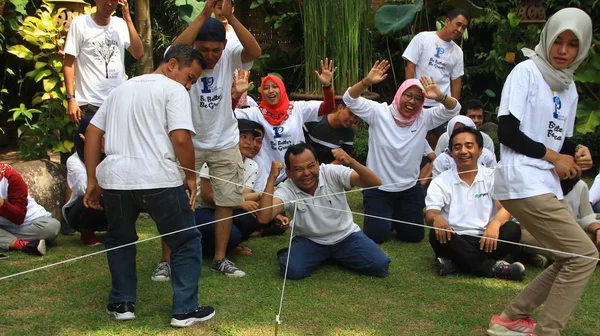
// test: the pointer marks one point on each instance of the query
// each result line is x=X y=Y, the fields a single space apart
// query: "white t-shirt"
x=215 y=124
x=595 y=190
x=435 y=58
x=546 y=117
x=468 y=209
x=250 y=174
x=34 y=211
x=99 y=57
x=395 y=152
x=444 y=139
x=445 y=161
x=138 y=118
x=277 y=139
x=76 y=179
x=321 y=225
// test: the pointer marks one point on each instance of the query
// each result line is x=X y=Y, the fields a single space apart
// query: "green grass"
x=70 y=299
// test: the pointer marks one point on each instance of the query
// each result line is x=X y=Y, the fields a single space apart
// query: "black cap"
x=246 y=125
x=212 y=30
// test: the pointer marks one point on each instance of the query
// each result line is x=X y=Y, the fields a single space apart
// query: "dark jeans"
x=207 y=215
x=170 y=209
x=465 y=253
x=82 y=218
x=404 y=205
x=357 y=252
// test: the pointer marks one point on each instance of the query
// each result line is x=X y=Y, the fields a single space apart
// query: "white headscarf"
x=575 y=20
x=466 y=121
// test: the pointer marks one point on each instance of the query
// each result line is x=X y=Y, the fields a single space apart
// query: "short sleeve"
x=309 y=110
x=285 y=195
x=99 y=119
x=459 y=69
x=250 y=173
x=179 y=110
x=413 y=51
x=124 y=33
x=235 y=55
x=515 y=92
x=339 y=175
x=570 y=125
x=73 y=41
x=436 y=198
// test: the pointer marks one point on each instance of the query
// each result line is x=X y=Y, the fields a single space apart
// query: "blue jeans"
x=170 y=209
x=207 y=215
x=596 y=207
x=404 y=205
x=357 y=252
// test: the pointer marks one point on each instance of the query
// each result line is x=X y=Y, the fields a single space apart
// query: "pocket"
x=164 y=204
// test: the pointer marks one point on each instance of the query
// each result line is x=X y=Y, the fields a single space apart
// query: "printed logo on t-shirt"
x=211 y=94
x=438 y=50
x=557 y=107
x=481 y=195
x=280 y=145
x=436 y=60
x=105 y=49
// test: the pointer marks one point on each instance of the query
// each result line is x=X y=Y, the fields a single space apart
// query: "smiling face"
x=257 y=145
x=456 y=27
x=247 y=139
x=304 y=171
x=411 y=101
x=564 y=50
x=272 y=93
x=477 y=117
x=345 y=117
x=465 y=151
x=211 y=51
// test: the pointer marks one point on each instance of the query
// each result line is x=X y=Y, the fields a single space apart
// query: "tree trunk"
x=144 y=27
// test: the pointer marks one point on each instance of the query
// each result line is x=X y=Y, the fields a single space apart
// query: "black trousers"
x=80 y=217
x=465 y=253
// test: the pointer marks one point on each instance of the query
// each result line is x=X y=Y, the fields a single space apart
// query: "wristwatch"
x=69 y=96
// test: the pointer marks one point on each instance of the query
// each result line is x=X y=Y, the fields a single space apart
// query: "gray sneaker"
x=162 y=272
x=227 y=267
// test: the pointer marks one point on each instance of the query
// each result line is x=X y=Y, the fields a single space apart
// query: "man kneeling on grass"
x=321 y=231
x=460 y=209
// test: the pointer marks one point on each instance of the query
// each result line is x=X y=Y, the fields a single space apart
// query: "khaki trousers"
x=559 y=286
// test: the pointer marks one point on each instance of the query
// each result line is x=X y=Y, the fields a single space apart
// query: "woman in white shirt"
x=396 y=140
x=536 y=117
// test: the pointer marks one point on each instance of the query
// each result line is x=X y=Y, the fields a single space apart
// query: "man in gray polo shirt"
x=323 y=225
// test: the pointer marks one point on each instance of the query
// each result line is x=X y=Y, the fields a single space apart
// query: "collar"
x=457 y=180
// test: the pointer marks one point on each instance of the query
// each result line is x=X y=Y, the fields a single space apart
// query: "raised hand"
x=430 y=88
x=327 y=71
x=125 y=10
x=377 y=73
x=209 y=7
x=227 y=10
x=240 y=83
x=342 y=157
x=276 y=167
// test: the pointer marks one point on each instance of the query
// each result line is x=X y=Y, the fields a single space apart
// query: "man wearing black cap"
x=216 y=140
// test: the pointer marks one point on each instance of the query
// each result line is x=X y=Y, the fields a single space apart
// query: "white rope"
x=287 y=262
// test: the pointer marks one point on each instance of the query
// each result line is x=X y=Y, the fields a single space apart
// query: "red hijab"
x=275 y=114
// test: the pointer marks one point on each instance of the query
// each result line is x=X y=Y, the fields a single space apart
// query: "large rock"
x=46 y=181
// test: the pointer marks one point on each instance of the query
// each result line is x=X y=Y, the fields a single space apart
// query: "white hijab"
x=575 y=20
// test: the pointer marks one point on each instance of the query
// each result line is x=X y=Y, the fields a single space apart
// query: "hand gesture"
x=276 y=168
x=583 y=158
x=327 y=71
x=250 y=206
x=209 y=8
x=282 y=221
x=227 y=10
x=74 y=112
x=489 y=240
x=430 y=88
x=342 y=157
x=125 y=10
x=565 y=167
x=377 y=73
x=445 y=234
x=91 y=199
x=240 y=83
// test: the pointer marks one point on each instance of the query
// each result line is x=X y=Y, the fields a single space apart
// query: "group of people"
x=187 y=146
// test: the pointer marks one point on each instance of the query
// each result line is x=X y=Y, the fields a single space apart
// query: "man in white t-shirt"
x=323 y=225
x=467 y=222
x=216 y=140
x=434 y=54
x=94 y=61
x=148 y=127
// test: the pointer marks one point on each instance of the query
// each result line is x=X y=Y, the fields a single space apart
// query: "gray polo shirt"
x=321 y=225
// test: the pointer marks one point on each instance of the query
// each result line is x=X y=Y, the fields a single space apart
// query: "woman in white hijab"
x=536 y=119
x=445 y=161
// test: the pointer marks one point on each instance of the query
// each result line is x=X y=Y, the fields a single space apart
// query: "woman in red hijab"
x=283 y=119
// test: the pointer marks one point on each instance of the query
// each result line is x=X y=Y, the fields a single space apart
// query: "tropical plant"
x=588 y=84
x=45 y=126
x=346 y=41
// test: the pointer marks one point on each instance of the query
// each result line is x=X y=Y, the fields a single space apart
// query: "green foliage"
x=188 y=11
x=588 y=84
x=277 y=12
x=45 y=127
x=392 y=19
x=361 y=142
x=20 y=6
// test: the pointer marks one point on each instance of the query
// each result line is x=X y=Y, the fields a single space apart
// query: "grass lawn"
x=70 y=299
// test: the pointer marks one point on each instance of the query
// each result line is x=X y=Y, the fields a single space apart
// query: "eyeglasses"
x=409 y=97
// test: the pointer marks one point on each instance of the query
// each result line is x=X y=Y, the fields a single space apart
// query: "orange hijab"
x=275 y=114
